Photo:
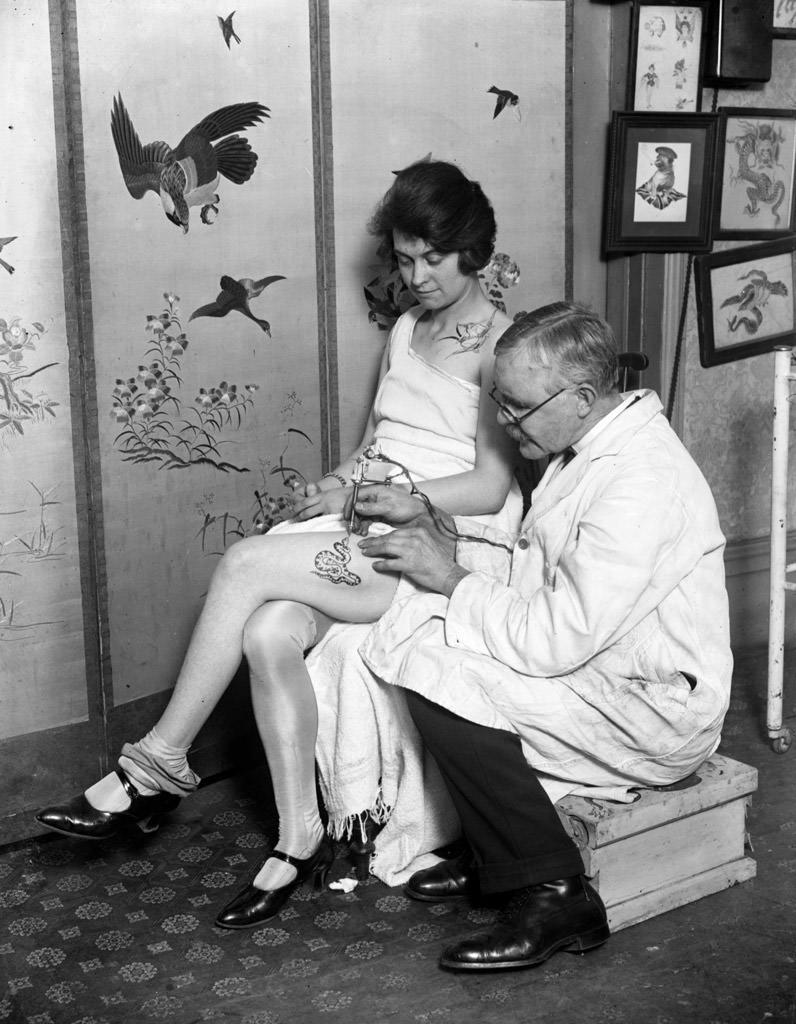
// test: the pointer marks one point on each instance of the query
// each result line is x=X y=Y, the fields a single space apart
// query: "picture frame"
x=667 y=56
x=660 y=182
x=784 y=24
x=756 y=171
x=745 y=301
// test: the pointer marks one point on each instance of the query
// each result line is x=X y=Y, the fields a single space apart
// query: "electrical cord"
x=414 y=490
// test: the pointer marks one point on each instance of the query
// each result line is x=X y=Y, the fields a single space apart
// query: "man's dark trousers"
x=514 y=830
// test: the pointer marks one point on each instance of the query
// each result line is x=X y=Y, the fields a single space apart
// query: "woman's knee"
x=240 y=558
x=278 y=630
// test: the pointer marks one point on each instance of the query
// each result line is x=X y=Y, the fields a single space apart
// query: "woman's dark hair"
x=434 y=201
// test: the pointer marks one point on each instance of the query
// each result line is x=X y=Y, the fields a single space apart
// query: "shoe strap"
x=129 y=788
x=295 y=862
x=300 y=863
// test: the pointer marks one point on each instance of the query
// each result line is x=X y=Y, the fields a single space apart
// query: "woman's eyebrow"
x=401 y=252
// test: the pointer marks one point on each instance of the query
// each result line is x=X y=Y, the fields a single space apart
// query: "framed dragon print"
x=667 y=56
x=745 y=301
x=757 y=168
x=660 y=182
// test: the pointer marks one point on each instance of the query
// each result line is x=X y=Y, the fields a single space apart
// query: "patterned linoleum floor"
x=123 y=931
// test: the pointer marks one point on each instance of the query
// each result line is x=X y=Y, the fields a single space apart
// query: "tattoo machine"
x=357 y=478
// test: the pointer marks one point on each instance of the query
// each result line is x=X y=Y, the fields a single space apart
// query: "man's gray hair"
x=570 y=340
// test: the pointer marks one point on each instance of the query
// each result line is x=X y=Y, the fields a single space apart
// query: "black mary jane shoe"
x=79 y=818
x=252 y=906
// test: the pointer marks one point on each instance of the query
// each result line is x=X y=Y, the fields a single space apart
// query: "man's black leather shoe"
x=538 y=921
x=448 y=880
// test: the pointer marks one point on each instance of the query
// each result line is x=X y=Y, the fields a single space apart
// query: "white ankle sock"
x=110 y=795
x=155 y=765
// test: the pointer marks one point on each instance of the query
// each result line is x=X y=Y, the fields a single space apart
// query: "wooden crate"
x=671 y=846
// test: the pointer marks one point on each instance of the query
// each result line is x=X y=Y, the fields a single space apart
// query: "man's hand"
x=422 y=549
x=392 y=505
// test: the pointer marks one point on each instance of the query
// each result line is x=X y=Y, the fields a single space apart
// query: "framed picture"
x=784 y=19
x=667 y=56
x=757 y=157
x=745 y=301
x=660 y=180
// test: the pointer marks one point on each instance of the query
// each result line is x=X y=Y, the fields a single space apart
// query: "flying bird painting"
x=188 y=175
x=236 y=295
x=227 y=30
x=4 y=242
x=504 y=98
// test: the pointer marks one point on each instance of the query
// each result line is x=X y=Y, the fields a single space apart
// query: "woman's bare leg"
x=275 y=640
x=324 y=571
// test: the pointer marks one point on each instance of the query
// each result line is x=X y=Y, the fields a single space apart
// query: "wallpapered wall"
x=728 y=409
x=155 y=416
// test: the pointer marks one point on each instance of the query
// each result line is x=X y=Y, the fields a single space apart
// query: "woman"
x=272 y=596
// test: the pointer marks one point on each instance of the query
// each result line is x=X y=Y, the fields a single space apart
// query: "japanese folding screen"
x=166 y=365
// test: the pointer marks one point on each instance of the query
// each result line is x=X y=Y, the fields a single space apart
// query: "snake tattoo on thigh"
x=331 y=565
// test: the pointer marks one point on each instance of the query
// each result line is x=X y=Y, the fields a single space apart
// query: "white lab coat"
x=602 y=640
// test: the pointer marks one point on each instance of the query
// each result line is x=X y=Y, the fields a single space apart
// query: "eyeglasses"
x=518 y=420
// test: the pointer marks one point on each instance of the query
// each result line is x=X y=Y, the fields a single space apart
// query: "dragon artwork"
x=758 y=157
x=752 y=300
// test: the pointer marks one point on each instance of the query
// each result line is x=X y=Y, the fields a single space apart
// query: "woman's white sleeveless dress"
x=369 y=754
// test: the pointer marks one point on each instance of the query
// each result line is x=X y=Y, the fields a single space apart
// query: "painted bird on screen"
x=225 y=24
x=505 y=97
x=189 y=174
x=236 y=295
x=4 y=242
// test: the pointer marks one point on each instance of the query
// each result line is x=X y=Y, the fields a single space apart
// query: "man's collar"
x=601 y=424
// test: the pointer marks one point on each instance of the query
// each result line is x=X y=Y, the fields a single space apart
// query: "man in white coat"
x=590 y=652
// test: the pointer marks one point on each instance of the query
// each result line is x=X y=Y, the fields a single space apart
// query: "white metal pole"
x=779 y=496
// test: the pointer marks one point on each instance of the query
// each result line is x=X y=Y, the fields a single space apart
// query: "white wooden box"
x=669 y=847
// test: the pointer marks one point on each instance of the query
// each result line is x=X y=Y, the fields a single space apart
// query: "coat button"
x=523 y=543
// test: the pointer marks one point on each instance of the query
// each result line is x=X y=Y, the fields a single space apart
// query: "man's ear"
x=586 y=396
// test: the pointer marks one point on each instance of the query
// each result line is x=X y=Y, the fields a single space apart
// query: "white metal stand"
x=783 y=377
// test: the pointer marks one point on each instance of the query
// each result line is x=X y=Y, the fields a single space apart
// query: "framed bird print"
x=667 y=56
x=757 y=172
x=745 y=301
x=659 y=193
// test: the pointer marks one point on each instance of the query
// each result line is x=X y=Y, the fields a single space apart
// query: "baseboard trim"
x=746 y=564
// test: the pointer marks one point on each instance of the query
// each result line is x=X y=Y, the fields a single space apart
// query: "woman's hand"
x=317 y=502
